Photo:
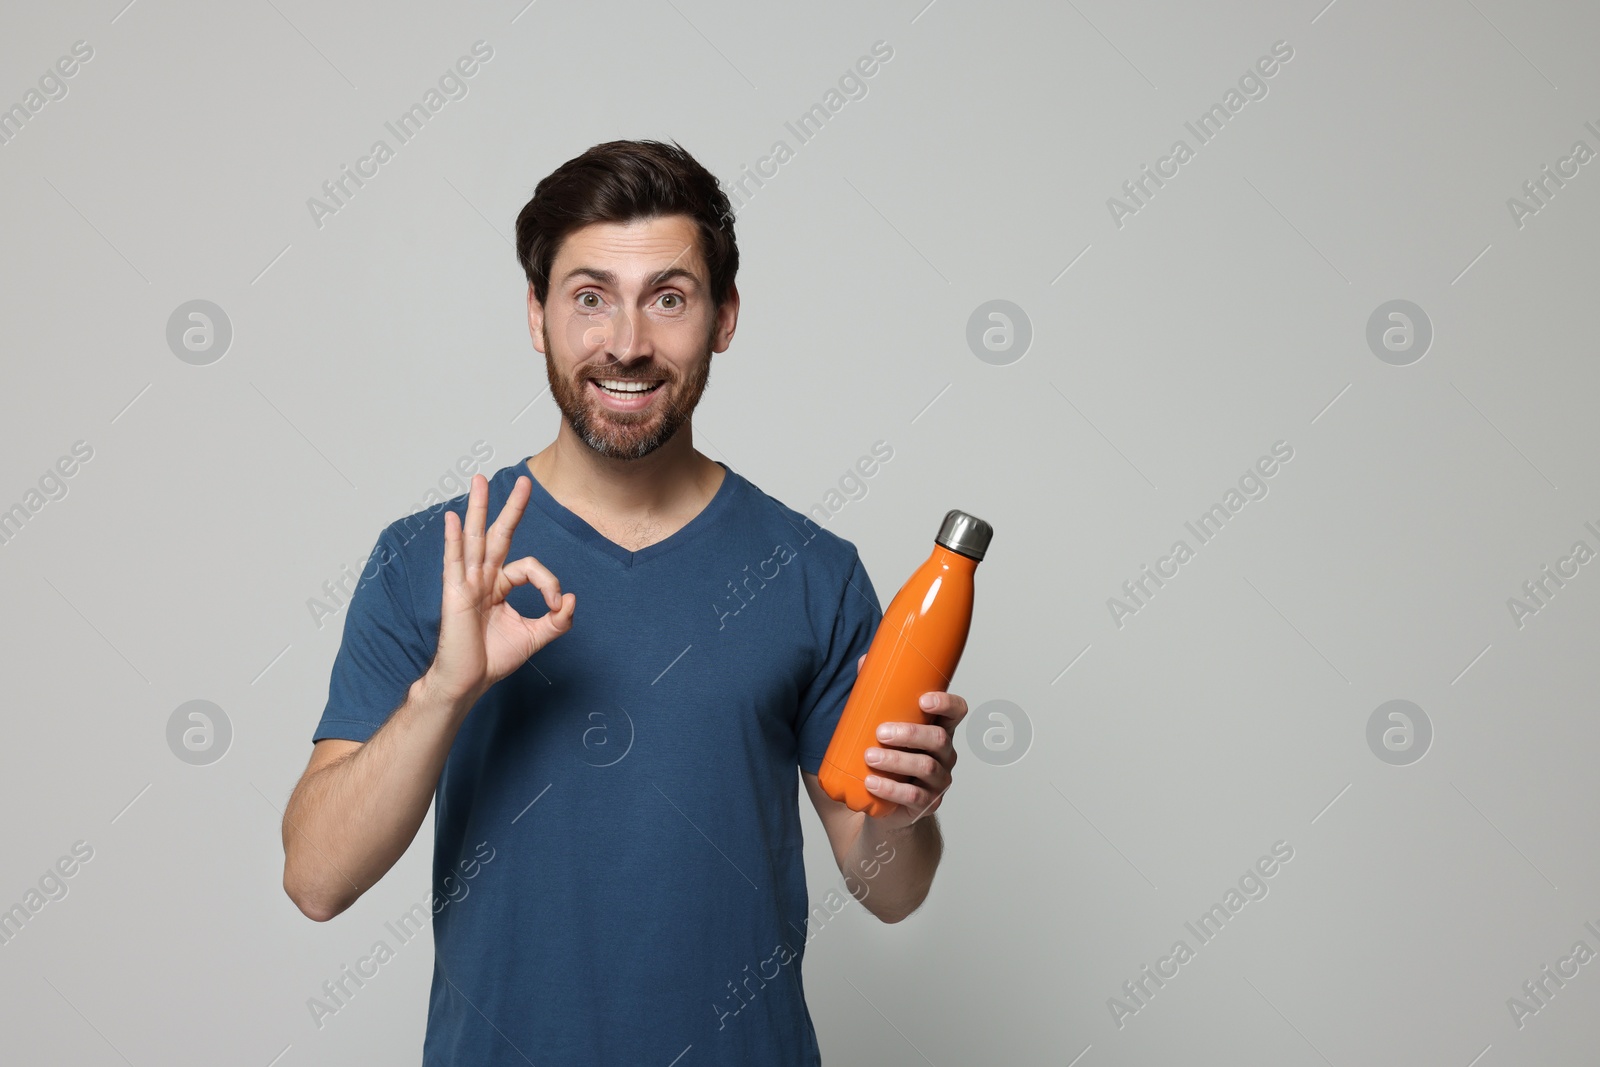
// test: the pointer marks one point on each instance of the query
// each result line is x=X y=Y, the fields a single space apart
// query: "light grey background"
x=1168 y=354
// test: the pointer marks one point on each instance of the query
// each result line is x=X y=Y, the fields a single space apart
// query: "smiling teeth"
x=619 y=386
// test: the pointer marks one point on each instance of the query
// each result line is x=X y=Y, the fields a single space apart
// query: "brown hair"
x=621 y=181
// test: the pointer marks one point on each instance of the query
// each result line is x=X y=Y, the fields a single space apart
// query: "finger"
x=918 y=765
x=930 y=737
x=900 y=793
x=908 y=794
x=529 y=571
x=453 y=570
x=860 y=660
x=553 y=624
x=477 y=508
x=499 y=542
x=945 y=706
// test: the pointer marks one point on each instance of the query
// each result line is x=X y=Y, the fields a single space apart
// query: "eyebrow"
x=606 y=277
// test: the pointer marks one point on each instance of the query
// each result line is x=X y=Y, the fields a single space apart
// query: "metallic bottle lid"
x=966 y=534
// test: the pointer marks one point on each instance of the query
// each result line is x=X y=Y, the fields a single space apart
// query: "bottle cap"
x=966 y=534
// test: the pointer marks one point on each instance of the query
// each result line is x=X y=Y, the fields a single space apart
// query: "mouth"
x=625 y=394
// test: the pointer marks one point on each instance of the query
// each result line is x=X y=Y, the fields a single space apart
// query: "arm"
x=891 y=868
x=899 y=851
x=357 y=807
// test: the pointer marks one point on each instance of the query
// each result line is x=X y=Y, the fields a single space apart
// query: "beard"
x=627 y=434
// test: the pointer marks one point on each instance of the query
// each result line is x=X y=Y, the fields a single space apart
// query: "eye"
x=588 y=293
x=673 y=296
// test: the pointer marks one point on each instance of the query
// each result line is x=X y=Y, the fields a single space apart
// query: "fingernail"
x=873 y=781
x=886 y=732
x=928 y=701
x=874 y=755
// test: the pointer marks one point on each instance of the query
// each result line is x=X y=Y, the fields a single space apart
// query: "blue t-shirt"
x=618 y=876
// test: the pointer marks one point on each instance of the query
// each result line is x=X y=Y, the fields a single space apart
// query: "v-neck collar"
x=580 y=529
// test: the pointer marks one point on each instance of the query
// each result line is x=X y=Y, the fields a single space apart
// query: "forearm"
x=348 y=823
x=891 y=871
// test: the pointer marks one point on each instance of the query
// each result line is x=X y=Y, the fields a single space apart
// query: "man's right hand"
x=482 y=639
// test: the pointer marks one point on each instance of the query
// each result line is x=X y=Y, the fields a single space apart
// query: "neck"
x=675 y=477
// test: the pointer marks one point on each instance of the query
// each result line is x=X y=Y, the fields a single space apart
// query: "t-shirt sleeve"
x=382 y=651
x=823 y=701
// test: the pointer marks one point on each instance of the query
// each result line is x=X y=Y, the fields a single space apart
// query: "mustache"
x=622 y=376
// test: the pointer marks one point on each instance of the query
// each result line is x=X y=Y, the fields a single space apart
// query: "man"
x=617 y=846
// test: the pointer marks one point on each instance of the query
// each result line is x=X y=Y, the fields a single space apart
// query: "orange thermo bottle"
x=915 y=651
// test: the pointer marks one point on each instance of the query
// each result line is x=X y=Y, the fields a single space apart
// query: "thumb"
x=552 y=624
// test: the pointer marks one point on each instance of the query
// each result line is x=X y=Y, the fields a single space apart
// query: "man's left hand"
x=921 y=755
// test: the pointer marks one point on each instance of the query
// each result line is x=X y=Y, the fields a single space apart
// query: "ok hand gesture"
x=482 y=639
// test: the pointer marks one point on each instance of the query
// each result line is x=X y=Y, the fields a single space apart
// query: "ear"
x=535 y=321
x=727 y=320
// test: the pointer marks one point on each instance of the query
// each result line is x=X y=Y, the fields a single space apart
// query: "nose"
x=624 y=335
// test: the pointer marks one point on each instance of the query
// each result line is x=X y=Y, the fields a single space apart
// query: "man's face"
x=628 y=330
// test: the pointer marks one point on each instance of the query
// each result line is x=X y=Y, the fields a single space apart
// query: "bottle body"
x=915 y=651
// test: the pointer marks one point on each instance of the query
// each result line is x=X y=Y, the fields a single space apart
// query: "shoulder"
x=799 y=533
x=420 y=533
